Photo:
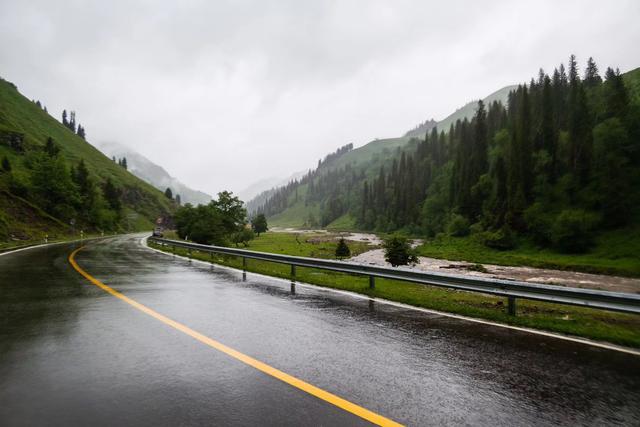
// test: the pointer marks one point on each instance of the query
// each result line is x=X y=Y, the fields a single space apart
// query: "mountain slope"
x=469 y=109
x=24 y=130
x=368 y=159
x=632 y=80
x=423 y=185
x=154 y=174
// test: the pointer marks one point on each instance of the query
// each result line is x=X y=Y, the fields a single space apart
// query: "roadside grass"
x=314 y=245
x=614 y=253
x=617 y=328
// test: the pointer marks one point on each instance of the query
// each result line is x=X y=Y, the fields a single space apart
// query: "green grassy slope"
x=371 y=156
x=142 y=202
x=22 y=221
x=469 y=109
x=632 y=81
x=376 y=149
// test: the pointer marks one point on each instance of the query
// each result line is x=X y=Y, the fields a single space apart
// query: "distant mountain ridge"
x=422 y=128
x=153 y=173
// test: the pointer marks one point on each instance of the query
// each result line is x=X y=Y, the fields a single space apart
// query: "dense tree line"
x=559 y=161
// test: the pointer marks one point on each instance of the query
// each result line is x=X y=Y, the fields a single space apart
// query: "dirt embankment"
x=525 y=274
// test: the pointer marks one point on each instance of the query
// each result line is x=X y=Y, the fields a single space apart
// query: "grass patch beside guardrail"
x=617 y=328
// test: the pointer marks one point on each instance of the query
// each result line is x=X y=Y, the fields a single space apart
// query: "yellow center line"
x=269 y=370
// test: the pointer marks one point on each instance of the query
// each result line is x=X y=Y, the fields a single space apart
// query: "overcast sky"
x=223 y=94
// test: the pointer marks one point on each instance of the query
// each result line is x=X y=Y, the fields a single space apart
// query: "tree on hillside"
x=6 y=165
x=81 y=132
x=124 y=163
x=65 y=122
x=342 y=250
x=591 y=76
x=72 y=122
x=398 y=251
x=168 y=193
x=259 y=224
x=616 y=98
x=51 y=148
x=86 y=190
x=178 y=200
x=53 y=187
x=112 y=195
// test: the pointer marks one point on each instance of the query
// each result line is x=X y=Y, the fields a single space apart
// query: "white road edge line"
x=585 y=341
x=13 y=251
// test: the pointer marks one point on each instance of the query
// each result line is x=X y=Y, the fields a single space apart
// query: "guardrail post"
x=293 y=273
x=511 y=306
x=244 y=269
x=372 y=282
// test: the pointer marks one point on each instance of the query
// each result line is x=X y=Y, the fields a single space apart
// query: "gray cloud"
x=225 y=93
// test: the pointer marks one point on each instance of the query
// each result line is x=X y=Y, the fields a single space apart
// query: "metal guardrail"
x=615 y=301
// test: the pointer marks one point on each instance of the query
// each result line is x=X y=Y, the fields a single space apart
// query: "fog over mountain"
x=152 y=173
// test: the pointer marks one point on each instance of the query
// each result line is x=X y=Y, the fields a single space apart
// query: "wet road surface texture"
x=72 y=354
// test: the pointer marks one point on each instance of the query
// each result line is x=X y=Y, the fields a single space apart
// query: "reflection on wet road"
x=72 y=354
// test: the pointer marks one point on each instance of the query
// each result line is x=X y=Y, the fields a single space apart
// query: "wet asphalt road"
x=71 y=354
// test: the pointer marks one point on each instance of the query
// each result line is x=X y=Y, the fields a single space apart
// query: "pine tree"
x=64 y=118
x=591 y=76
x=6 y=165
x=580 y=135
x=86 y=189
x=72 y=122
x=168 y=193
x=124 y=163
x=616 y=98
x=342 y=250
x=479 y=162
x=51 y=148
x=112 y=195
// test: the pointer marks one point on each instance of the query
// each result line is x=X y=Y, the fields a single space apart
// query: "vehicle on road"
x=157 y=232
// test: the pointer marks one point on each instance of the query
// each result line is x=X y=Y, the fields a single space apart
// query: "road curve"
x=73 y=354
